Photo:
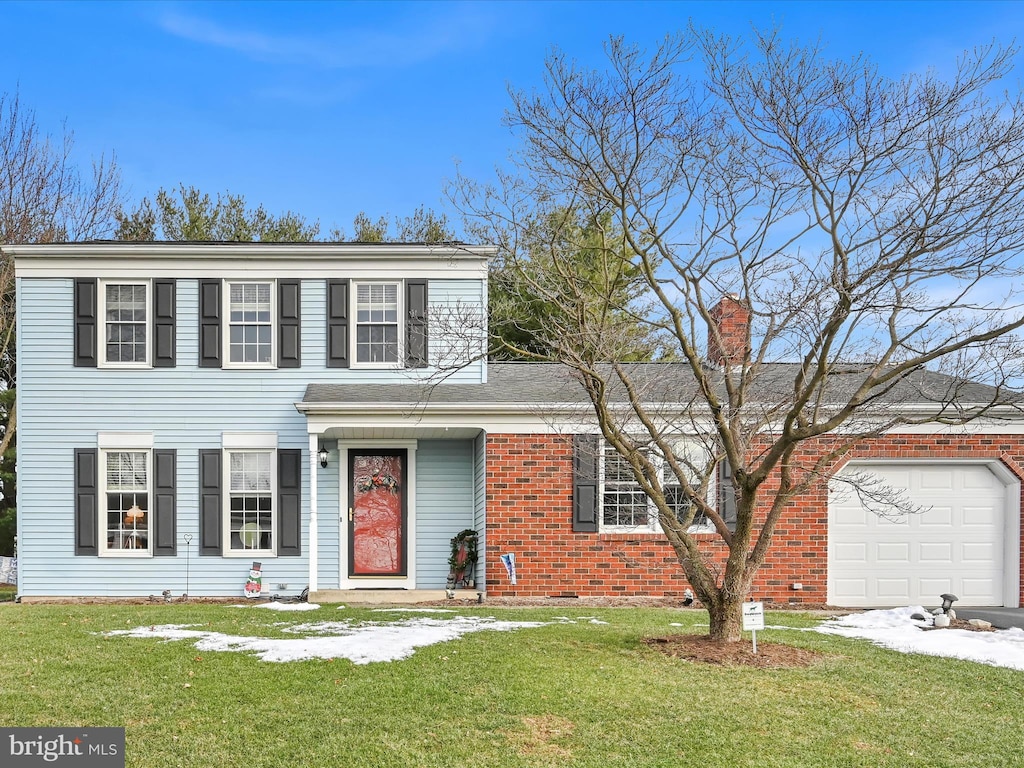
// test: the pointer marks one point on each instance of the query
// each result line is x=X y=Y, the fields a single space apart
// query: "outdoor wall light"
x=322 y=455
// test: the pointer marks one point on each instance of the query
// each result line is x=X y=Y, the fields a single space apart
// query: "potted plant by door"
x=463 y=558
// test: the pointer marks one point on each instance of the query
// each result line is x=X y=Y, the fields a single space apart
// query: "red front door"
x=377 y=536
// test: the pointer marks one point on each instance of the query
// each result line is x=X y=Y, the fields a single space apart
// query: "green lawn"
x=560 y=695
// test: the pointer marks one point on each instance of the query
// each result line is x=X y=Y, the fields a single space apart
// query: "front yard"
x=571 y=692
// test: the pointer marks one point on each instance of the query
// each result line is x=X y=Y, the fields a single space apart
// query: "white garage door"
x=955 y=546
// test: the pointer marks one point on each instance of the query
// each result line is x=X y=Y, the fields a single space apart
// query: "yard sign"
x=753 y=619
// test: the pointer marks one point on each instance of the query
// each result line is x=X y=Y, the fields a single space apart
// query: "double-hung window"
x=250 y=310
x=251 y=514
x=125 y=330
x=624 y=505
x=377 y=326
x=125 y=493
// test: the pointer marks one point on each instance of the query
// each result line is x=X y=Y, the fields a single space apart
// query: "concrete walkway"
x=1002 y=618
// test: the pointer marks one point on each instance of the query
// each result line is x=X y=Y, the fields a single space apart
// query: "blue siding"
x=444 y=505
x=187 y=408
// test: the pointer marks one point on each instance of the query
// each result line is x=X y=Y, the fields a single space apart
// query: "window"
x=251 y=324
x=125 y=325
x=377 y=326
x=250 y=517
x=125 y=495
x=625 y=506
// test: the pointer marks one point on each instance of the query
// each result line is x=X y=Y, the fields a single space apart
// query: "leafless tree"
x=44 y=197
x=868 y=229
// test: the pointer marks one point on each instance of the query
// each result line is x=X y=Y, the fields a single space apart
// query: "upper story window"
x=125 y=323
x=125 y=331
x=377 y=323
x=250 y=323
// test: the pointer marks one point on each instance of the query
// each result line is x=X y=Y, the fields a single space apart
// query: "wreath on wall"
x=463 y=556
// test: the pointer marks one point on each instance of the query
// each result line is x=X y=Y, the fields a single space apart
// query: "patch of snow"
x=895 y=629
x=276 y=606
x=413 y=610
x=361 y=643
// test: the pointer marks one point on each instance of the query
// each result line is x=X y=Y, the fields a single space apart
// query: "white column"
x=314 y=536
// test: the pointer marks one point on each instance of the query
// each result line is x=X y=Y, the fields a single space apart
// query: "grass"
x=559 y=695
x=7 y=592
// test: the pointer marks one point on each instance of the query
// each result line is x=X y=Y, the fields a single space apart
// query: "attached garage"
x=961 y=541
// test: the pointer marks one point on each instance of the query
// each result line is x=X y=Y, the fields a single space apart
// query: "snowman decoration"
x=254 y=585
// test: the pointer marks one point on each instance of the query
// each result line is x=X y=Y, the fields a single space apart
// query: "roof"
x=552 y=383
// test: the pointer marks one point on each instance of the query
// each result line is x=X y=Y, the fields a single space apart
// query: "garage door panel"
x=852 y=553
x=851 y=516
x=974 y=590
x=977 y=552
x=851 y=589
x=893 y=588
x=935 y=480
x=981 y=480
x=979 y=516
x=937 y=553
x=955 y=546
x=933 y=586
x=890 y=552
x=936 y=517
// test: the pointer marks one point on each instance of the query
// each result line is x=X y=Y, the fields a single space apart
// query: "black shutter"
x=165 y=502
x=85 y=323
x=337 y=324
x=289 y=502
x=210 y=502
x=164 y=302
x=289 y=331
x=210 y=331
x=86 y=501
x=416 y=353
x=584 y=483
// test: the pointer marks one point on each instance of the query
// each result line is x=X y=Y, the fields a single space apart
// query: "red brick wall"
x=529 y=513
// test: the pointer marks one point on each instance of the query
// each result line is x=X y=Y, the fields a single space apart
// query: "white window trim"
x=258 y=444
x=118 y=442
x=248 y=441
x=101 y=325
x=652 y=525
x=226 y=324
x=354 y=326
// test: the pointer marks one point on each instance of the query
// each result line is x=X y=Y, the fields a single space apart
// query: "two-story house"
x=185 y=409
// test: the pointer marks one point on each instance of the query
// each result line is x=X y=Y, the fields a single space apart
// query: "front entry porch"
x=395 y=596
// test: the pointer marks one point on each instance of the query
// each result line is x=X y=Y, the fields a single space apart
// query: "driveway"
x=1002 y=618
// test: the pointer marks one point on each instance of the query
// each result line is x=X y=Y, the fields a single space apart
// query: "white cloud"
x=405 y=42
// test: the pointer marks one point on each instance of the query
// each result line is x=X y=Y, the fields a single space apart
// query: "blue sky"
x=328 y=109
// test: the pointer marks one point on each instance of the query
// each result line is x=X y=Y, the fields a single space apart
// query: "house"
x=187 y=409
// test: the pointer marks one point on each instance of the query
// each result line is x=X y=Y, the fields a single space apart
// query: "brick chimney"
x=732 y=320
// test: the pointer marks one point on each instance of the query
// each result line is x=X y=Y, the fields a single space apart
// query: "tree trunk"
x=726 y=618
